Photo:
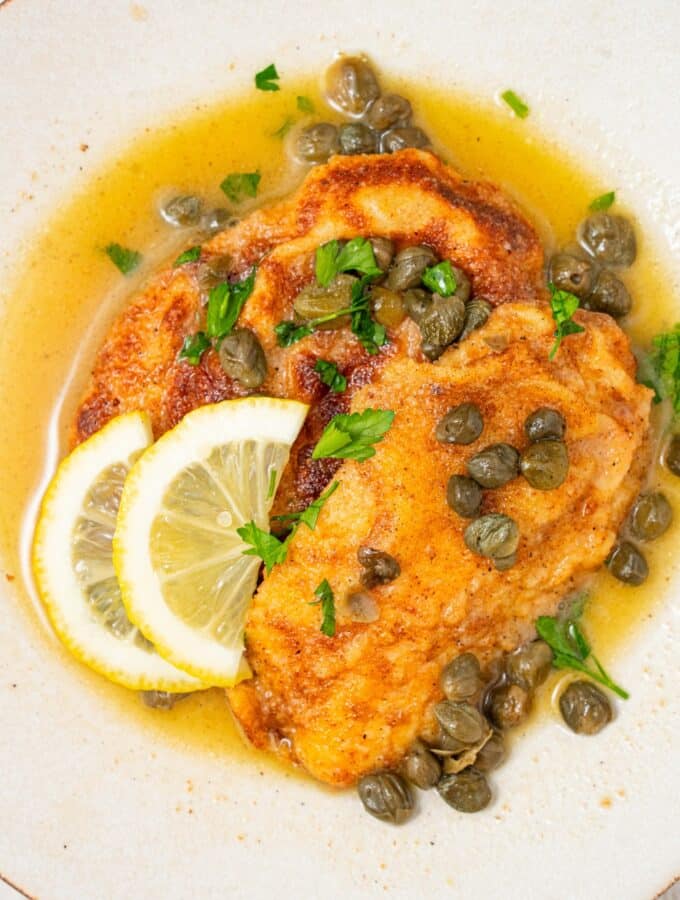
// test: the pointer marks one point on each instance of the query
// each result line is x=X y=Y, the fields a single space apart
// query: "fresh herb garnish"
x=284 y=129
x=325 y=594
x=124 y=260
x=664 y=362
x=563 y=305
x=330 y=375
x=304 y=104
x=241 y=184
x=356 y=256
x=604 y=201
x=440 y=279
x=267 y=78
x=225 y=303
x=194 y=347
x=190 y=255
x=353 y=436
x=571 y=650
x=271 y=549
x=516 y=104
x=272 y=484
x=288 y=333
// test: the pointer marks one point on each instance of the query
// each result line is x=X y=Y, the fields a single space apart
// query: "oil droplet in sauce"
x=67 y=293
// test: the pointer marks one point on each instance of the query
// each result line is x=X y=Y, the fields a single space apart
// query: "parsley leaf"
x=225 y=303
x=267 y=78
x=352 y=436
x=356 y=256
x=289 y=333
x=304 y=104
x=330 y=375
x=563 y=305
x=194 y=347
x=123 y=259
x=285 y=128
x=310 y=515
x=325 y=594
x=440 y=279
x=241 y=184
x=516 y=104
x=571 y=649
x=664 y=362
x=190 y=255
x=269 y=548
x=604 y=201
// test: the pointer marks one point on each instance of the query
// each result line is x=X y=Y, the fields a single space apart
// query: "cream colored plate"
x=95 y=805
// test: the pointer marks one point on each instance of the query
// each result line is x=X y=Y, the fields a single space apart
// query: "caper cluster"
x=188 y=211
x=378 y=123
x=478 y=707
x=544 y=464
x=649 y=517
x=604 y=240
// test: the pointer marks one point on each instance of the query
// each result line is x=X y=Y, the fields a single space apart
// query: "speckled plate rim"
x=94 y=806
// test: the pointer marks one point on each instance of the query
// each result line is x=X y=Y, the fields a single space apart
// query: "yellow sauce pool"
x=68 y=292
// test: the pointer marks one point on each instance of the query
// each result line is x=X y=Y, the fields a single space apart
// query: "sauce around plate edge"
x=57 y=319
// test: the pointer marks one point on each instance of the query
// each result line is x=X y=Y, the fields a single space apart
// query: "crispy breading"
x=346 y=705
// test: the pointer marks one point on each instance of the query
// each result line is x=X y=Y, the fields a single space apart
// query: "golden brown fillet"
x=410 y=196
x=345 y=705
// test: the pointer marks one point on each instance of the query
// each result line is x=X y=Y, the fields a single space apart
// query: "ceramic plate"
x=97 y=804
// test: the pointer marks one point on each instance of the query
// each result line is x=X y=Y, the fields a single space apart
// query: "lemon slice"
x=73 y=564
x=184 y=579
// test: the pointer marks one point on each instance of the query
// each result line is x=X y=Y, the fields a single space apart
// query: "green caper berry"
x=492 y=753
x=650 y=516
x=462 y=424
x=585 y=708
x=609 y=238
x=317 y=143
x=545 y=424
x=461 y=721
x=477 y=312
x=464 y=496
x=243 y=359
x=503 y=563
x=545 y=464
x=387 y=111
x=508 y=705
x=408 y=267
x=627 y=564
x=421 y=767
x=400 y=138
x=161 y=699
x=440 y=324
x=569 y=272
x=182 y=211
x=494 y=466
x=355 y=138
x=386 y=796
x=461 y=679
x=609 y=296
x=494 y=535
x=529 y=665
x=466 y=791
x=378 y=567
x=672 y=455
x=383 y=250
x=351 y=85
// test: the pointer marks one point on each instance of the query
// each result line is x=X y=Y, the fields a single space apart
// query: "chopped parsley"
x=288 y=333
x=267 y=78
x=353 y=436
x=661 y=369
x=330 y=375
x=325 y=594
x=194 y=347
x=440 y=279
x=516 y=104
x=273 y=475
x=304 y=104
x=570 y=648
x=190 y=255
x=285 y=128
x=604 y=201
x=563 y=306
x=355 y=256
x=238 y=185
x=310 y=515
x=124 y=260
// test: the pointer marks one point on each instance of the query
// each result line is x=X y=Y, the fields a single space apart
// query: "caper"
x=545 y=464
x=161 y=699
x=355 y=138
x=408 y=267
x=650 y=516
x=351 y=85
x=416 y=301
x=503 y=563
x=610 y=296
x=217 y=220
x=627 y=563
x=494 y=535
x=421 y=767
x=378 y=567
x=361 y=607
x=529 y=665
x=383 y=250
x=448 y=746
x=213 y=271
x=671 y=456
x=492 y=753
x=609 y=238
x=182 y=211
x=386 y=796
x=494 y=466
x=508 y=705
x=440 y=324
x=401 y=138
x=572 y=273
x=315 y=301
x=461 y=721
x=466 y=791
x=463 y=285
x=461 y=679
x=545 y=424
x=387 y=111
x=462 y=424
x=464 y=496
x=243 y=359
x=388 y=307
x=477 y=312
x=585 y=708
x=317 y=143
